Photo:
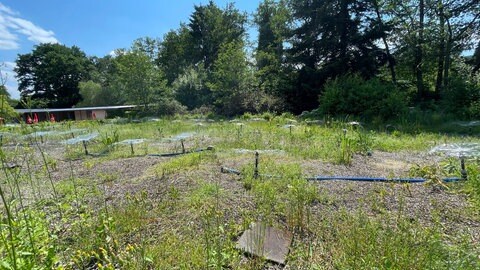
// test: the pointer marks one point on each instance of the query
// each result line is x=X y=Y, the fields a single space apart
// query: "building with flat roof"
x=61 y=114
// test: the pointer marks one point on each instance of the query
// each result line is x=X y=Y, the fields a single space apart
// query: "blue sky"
x=96 y=26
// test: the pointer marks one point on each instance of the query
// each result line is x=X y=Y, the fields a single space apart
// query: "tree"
x=6 y=110
x=52 y=73
x=385 y=25
x=93 y=94
x=106 y=74
x=148 y=46
x=229 y=81
x=476 y=59
x=332 y=38
x=459 y=24
x=175 y=53
x=187 y=56
x=141 y=82
x=190 y=88
x=272 y=19
x=427 y=36
x=210 y=27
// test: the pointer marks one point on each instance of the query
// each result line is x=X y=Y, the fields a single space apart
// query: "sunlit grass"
x=179 y=214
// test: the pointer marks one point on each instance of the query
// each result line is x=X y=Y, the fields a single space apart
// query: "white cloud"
x=8 y=45
x=9 y=65
x=12 y=26
x=33 y=32
x=7 y=10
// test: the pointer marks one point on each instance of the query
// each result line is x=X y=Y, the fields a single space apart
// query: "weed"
x=109 y=139
x=300 y=195
x=194 y=224
x=345 y=146
x=185 y=162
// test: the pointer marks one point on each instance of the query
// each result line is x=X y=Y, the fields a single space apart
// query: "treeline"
x=369 y=58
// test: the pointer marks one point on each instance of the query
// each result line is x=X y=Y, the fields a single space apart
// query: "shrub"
x=461 y=98
x=169 y=107
x=351 y=95
x=6 y=111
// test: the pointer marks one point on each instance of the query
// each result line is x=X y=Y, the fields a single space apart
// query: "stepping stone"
x=265 y=241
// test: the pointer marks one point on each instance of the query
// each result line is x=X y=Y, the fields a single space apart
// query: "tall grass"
x=177 y=215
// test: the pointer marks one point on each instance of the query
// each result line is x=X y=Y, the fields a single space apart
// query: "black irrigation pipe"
x=209 y=148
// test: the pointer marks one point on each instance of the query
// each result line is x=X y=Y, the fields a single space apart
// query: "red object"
x=29 y=120
x=35 y=118
x=52 y=118
x=94 y=116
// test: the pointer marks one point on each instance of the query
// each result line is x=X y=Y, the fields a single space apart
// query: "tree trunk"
x=343 y=29
x=441 y=55
x=448 y=60
x=391 y=62
x=419 y=52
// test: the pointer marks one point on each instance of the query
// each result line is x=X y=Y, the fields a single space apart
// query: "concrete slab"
x=265 y=241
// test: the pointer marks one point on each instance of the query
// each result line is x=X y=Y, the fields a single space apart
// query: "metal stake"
x=463 y=171
x=255 y=171
x=183 y=146
x=85 y=147
x=131 y=148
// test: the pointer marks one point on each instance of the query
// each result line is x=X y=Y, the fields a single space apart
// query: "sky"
x=96 y=26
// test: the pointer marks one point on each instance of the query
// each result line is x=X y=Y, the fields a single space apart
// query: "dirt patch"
x=126 y=177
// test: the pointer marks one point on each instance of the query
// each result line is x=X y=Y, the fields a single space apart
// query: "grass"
x=60 y=212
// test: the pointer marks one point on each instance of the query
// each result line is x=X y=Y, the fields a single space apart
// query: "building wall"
x=88 y=115
x=100 y=114
x=68 y=115
x=78 y=115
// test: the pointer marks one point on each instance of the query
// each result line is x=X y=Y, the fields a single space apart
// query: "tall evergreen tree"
x=272 y=20
x=211 y=27
x=333 y=38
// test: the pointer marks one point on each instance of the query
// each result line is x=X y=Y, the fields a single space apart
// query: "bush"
x=170 y=107
x=474 y=109
x=164 y=107
x=6 y=111
x=351 y=95
x=461 y=98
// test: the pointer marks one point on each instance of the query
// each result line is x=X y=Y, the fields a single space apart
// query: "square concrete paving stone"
x=265 y=241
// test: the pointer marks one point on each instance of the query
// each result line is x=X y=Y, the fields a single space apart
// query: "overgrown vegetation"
x=62 y=209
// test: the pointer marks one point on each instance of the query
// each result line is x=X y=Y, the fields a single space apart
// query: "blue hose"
x=378 y=179
x=352 y=178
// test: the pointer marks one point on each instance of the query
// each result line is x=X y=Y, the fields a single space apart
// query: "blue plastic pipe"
x=352 y=178
x=377 y=179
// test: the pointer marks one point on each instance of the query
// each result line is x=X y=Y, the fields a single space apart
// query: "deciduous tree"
x=52 y=72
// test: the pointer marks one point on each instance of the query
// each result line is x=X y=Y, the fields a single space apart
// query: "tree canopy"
x=309 y=54
x=52 y=73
